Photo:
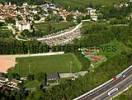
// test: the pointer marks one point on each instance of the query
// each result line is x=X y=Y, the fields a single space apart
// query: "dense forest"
x=12 y=46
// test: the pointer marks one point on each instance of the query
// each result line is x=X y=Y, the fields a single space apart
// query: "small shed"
x=53 y=78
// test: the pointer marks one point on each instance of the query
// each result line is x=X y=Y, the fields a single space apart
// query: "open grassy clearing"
x=47 y=64
x=113 y=48
x=54 y=27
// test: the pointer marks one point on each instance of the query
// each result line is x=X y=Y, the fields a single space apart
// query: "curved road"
x=57 y=39
x=62 y=38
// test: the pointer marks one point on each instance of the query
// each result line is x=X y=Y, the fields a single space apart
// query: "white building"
x=93 y=14
x=23 y=25
x=94 y=18
x=25 y=4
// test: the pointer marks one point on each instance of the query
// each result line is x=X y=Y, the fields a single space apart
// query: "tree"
x=36 y=17
x=10 y=20
x=19 y=17
x=54 y=18
x=30 y=77
x=2 y=24
x=13 y=75
x=26 y=33
x=69 y=17
x=12 y=46
x=79 y=18
x=40 y=76
x=50 y=28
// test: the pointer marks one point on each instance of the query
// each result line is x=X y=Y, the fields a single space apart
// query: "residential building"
x=93 y=14
x=23 y=25
x=7 y=10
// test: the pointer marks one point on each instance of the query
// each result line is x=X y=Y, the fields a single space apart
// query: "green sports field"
x=48 y=64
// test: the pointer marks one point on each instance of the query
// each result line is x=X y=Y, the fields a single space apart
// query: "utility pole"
x=28 y=52
x=19 y=69
x=70 y=66
x=29 y=69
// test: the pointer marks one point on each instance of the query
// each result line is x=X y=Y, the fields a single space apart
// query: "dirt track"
x=6 y=62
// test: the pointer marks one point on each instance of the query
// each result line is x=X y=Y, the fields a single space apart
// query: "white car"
x=112 y=91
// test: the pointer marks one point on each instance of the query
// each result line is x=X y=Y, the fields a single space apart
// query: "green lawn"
x=54 y=27
x=48 y=64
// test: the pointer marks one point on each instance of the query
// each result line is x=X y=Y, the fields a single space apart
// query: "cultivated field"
x=48 y=64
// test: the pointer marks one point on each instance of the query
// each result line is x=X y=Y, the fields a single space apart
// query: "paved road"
x=121 y=86
x=57 y=39
x=122 y=82
x=62 y=38
x=31 y=55
x=62 y=34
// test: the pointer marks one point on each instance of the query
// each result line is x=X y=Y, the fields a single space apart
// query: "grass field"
x=113 y=48
x=55 y=27
x=48 y=64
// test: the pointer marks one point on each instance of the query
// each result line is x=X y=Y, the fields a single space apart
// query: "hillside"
x=70 y=4
x=77 y=4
